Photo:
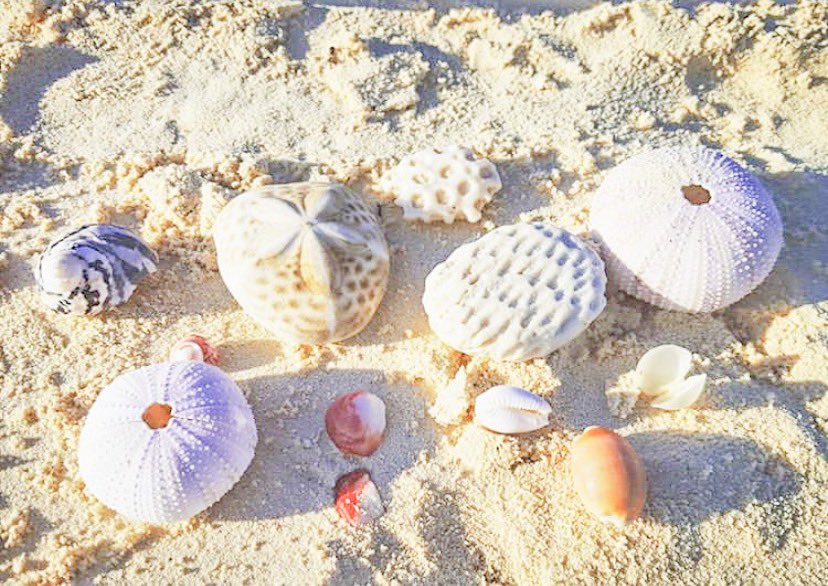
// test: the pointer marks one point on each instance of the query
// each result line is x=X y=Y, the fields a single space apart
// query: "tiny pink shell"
x=196 y=349
x=355 y=422
x=358 y=501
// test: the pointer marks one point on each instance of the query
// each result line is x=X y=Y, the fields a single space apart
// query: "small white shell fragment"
x=164 y=442
x=442 y=184
x=681 y=394
x=507 y=409
x=517 y=293
x=661 y=366
x=96 y=267
x=452 y=401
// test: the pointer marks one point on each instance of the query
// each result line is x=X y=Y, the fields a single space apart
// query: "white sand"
x=151 y=114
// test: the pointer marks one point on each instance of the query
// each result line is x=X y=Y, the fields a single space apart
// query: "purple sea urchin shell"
x=686 y=229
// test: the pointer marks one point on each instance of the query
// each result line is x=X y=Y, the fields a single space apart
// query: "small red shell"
x=608 y=475
x=195 y=348
x=355 y=422
x=358 y=501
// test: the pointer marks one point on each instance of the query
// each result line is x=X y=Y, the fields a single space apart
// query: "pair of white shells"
x=662 y=374
x=686 y=229
x=444 y=185
x=164 y=442
x=507 y=409
x=308 y=261
x=517 y=293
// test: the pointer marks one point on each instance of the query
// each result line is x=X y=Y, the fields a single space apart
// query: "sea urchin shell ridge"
x=164 y=442
x=686 y=229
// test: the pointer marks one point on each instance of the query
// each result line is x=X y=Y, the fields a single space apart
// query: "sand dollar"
x=308 y=261
x=519 y=292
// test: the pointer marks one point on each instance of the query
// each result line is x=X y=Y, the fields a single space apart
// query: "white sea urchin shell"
x=442 y=184
x=507 y=409
x=166 y=441
x=308 y=261
x=519 y=292
x=686 y=229
x=92 y=269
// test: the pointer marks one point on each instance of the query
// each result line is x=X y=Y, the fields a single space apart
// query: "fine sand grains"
x=152 y=114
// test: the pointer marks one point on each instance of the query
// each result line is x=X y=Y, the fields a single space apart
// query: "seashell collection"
x=506 y=409
x=682 y=228
x=686 y=229
x=308 y=261
x=442 y=185
x=519 y=292
x=92 y=269
x=166 y=441
x=608 y=476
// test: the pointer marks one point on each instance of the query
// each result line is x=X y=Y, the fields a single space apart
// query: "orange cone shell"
x=608 y=475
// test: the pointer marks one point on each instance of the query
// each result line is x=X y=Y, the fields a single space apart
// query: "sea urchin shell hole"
x=695 y=194
x=157 y=415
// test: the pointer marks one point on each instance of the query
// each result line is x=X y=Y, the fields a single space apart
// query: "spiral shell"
x=92 y=269
x=686 y=229
x=166 y=441
x=519 y=292
x=308 y=261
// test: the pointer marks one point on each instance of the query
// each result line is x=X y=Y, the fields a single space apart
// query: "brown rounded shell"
x=608 y=475
x=308 y=261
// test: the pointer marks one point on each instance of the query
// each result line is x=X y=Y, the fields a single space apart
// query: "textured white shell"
x=519 y=292
x=661 y=366
x=92 y=269
x=678 y=255
x=174 y=472
x=442 y=184
x=308 y=261
x=681 y=393
x=507 y=409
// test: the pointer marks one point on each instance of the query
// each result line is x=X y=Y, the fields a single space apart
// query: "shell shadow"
x=29 y=81
x=296 y=465
x=440 y=530
x=692 y=477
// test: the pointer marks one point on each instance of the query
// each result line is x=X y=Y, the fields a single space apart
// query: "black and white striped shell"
x=308 y=261
x=93 y=268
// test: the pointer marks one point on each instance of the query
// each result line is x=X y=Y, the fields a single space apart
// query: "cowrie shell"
x=506 y=409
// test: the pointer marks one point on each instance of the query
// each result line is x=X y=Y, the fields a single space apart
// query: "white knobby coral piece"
x=442 y=184
x=507 y=409
x=686 y=229
x=519 y=292
x=308 y=261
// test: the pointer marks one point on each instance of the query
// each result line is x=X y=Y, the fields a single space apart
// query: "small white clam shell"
x=661 y=366
x=681 y=393
x=507 y=409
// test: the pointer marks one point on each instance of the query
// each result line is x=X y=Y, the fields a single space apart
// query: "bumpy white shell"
x=661 y=366
x=442 y=184
x=308 y=261
x=92 y=269
x=507 y=409
x=519 y=292
x=173 y=472
x=680 y=247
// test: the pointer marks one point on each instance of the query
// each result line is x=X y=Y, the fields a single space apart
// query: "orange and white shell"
x=195 y=348
x=164 y=442
x=308 y=261
x=608 y=476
